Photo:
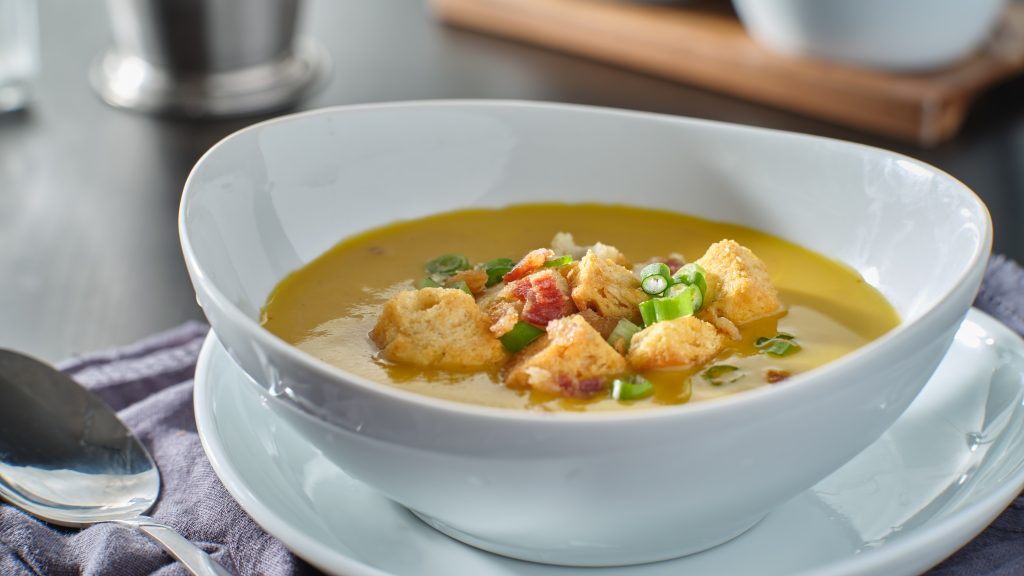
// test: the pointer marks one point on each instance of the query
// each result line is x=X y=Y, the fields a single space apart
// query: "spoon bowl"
x=66 y=458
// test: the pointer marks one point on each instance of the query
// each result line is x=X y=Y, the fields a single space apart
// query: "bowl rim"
x=818 y=375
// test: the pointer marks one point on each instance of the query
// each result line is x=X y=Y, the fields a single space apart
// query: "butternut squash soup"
x=574 y=307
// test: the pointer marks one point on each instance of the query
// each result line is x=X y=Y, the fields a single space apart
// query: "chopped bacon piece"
x=546 y=297
x=674 y=261
x=776 y=376
x=529 y=264
x=584 y=388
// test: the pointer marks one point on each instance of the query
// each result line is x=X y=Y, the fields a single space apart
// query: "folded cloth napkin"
x=150 y=385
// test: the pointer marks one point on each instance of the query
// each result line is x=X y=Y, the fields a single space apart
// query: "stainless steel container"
x=203 y=58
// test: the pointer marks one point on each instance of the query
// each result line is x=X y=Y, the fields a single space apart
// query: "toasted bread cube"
x=436 y=327
x=563 y=243
x=610 y=290
x=574 y=361
x=724 y=325
x=680 y=343
x=739 y=281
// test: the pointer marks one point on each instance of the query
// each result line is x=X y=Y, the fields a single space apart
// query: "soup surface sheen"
x=328 y=307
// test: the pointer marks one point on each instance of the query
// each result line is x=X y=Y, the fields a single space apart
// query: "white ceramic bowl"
x=900 y=35
x=586 y=489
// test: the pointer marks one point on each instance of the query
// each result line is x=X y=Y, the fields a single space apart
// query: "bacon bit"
x=529 y=264
x=580 y=388
x=546 y=297
x=475 y=279
x=776 y=376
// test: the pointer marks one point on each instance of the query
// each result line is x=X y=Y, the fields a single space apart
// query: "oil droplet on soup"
x=328 y=307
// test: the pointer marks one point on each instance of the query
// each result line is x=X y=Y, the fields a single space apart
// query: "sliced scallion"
x=560 y=261
x=693 y=274
x=496 y=269
x=647 y=312
x=633 y=388
x=782 y=344
x=655 y=278
x=654 y=285
x=460 y=285
x=427 y=282
x=447 y=264
x=681 y=301
x=720 y=374
x=520 y=336
x=623 y=333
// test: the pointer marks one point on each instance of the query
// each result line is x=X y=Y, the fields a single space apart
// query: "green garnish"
x=722 y=374
x=427 y=282
x=654 y=285
x=623 y=332
x=693 y=274
x=681 y=301
x=496 y=269
x=460 y=285
x=520 y=336
x=655 y=278
x=447 y=264
x=560 y=261
x=780 y=345
x=633 y=388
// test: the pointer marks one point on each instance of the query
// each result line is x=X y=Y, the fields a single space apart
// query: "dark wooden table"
x=89 y=253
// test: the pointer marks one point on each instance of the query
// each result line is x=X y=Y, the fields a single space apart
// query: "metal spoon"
x=66 y=458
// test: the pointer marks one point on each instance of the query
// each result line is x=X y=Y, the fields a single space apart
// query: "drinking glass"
x=19 y=52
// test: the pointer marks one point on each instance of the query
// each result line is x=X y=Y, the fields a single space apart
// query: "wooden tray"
x=705 y=45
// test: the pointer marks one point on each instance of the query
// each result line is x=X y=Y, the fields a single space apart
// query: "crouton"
x=604 y=326
x=563 y=243
x=476 y=280
x=610 y=290
x=533 y=261
x=574 y=361
x=739 y=281
x=724 y=325
x=436 y=327
x=680 y=343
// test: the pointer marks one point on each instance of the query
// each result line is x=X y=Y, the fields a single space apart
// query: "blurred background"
x=89 y=254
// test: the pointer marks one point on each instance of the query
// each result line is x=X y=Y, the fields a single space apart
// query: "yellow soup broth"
x=328 y=307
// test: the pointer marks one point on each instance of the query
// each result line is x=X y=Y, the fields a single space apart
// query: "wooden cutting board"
x=705 y=45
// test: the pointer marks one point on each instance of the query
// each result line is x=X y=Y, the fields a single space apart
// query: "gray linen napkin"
x=150 y=384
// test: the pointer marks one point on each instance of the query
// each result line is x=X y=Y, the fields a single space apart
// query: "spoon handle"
x=196 y=561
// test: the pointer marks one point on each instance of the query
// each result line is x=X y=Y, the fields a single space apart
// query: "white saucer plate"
x=943 y=472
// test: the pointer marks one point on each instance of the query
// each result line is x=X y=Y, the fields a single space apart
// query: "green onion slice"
x=633 y=388
x=460 y=285
x=720 y=374
x=655 y=278
x=782 y=344
x=496 y=269
x=447 y=264
x=623 y=332
x=681 y=301
x=654 y=285
x=427 y=282
x=560 y=261
x=520 y=336
x=693 y=274
x=647 y=312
